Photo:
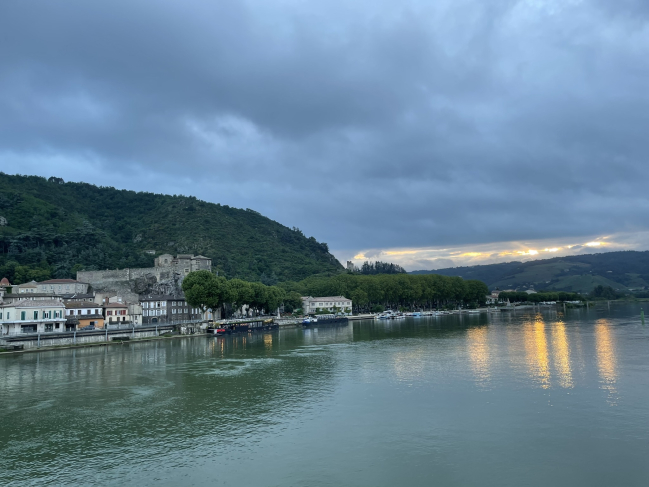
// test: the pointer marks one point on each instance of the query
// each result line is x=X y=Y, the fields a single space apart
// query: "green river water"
x=514 y=399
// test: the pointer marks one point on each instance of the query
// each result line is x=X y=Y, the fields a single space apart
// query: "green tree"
x=292 y=301
x=204 y=290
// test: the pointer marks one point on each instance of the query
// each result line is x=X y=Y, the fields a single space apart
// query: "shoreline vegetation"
x=369 y=293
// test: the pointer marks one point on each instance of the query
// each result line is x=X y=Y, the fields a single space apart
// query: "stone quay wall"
x=32 y=342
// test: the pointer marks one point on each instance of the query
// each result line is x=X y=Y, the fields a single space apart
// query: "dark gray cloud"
x=371 y=125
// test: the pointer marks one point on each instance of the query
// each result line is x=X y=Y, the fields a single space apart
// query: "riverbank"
x=99 y=344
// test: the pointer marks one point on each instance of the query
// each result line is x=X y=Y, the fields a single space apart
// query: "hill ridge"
x=622 y=270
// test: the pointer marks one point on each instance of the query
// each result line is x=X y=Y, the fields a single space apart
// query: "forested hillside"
x=623 y=271
x=50 y=228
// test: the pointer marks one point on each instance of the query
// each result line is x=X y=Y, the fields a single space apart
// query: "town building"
x=5 y=287
x=327 y=303
x=167 y=309
x=184 y=263
x=27 y=287
x=51 y=286
x=116 y=313
x=32 y=316
x=62 y=286
x=493 y=297
x=15 y=297
x=81 y=314
x=78 y=298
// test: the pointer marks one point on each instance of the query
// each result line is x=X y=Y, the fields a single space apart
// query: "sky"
x=429 y=134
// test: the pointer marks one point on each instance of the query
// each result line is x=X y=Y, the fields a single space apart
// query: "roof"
x=28 y=284
x=82 y=304
x=160 y=297
x=5 y=282
x=39 y=303
x=201 y=257
x=15 y=296
x=327 y=298
x=61 y=281
x=115 y=305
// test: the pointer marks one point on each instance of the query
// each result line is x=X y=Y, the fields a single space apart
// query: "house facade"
x=116 y=313
x=62 y=286
x=82 y=314
x=167 y=309
x=32 y=316
x=326 y=303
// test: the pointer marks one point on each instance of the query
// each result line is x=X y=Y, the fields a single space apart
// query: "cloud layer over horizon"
x=371 y=125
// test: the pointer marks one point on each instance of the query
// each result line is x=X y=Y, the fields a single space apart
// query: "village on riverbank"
x=182 y=296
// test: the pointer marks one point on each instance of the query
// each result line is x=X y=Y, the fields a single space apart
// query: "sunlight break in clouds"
x=438 y=258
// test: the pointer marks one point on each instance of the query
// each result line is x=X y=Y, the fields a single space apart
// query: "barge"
x=324 y=320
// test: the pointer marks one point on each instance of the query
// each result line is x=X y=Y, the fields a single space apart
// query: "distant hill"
x=580 y=273
x=50 y=228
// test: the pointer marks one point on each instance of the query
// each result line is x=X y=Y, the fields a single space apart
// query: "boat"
x=391 y=315
x=242 y=326
x=324 y=320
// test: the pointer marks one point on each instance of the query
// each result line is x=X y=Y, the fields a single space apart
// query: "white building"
x=32 y=316
x=328 y=303
x=62 y=286
x=52 y=286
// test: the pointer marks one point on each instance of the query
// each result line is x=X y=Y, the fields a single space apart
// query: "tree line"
x=376 y=292
x=207 y=291
x=378 y=267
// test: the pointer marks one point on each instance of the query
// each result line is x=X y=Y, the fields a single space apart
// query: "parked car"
x=88 y=328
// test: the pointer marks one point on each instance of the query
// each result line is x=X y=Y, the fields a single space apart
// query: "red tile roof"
x=5 y=282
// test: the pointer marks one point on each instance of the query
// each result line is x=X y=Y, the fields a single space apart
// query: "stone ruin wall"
x=130 y=283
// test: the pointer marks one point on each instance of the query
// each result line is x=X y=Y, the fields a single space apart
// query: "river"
x=513 y=399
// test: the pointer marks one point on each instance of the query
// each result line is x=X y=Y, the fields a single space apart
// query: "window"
x=22 y=315
x=57 y=326
x=35 y=315
x=8 y=315
x=109 y=313
x=49 y=327
x=185 y=310
x=173 y=311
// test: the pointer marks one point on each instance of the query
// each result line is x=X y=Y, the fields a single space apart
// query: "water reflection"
x=536 y=348
x=606 y=360
x=478 y=349
x=561 y=355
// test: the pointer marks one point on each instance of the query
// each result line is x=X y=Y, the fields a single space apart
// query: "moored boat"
x=323 y=320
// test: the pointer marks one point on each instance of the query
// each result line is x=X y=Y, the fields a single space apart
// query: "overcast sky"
x=425 y=133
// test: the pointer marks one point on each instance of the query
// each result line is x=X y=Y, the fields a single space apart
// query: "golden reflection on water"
x=268 y=341
x=536 y=350
x=478 y=348
x=561 y=354
x=606 y=360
